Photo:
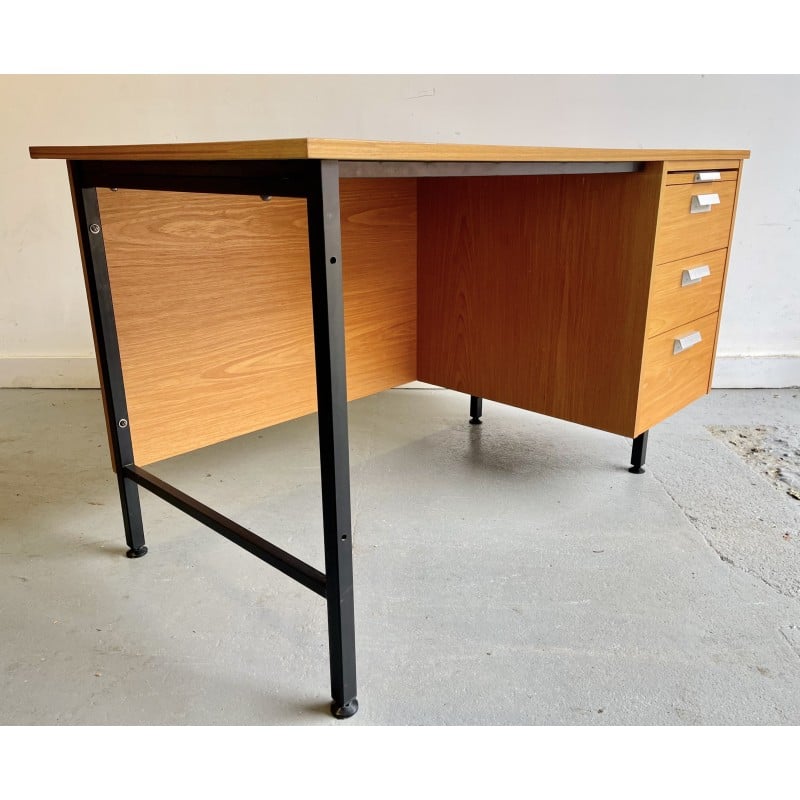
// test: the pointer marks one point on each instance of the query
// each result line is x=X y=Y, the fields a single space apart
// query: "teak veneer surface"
x=533 y=290
x=732 y=161
x=682 y=234
x=364 y=150
x=671 y=303
x=674 y=178
x=671 y=381
x=212 y=299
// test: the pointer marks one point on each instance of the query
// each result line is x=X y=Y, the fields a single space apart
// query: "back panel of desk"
x=533 y=290
x=212 y=301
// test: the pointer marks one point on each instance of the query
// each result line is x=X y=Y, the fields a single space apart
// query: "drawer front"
x=694 y=165
x=702 y=177
x=672 y=379
x=684 y=229
x=685 y=290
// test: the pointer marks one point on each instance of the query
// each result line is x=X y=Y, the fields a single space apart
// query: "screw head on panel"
x=123 y=423
x=94 y=228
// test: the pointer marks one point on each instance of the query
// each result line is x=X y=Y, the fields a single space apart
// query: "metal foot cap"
x=345 y=711
x=137 y=552
x=636 y=470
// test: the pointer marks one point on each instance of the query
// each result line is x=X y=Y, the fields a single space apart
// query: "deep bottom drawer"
x=676 y=370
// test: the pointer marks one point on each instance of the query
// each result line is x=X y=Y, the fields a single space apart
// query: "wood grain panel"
x=362 y=150
x=672 y=304
x=533 y=290
x=379 y=252
x=688 y=177
x=670 y=382
x=212 y=300
x=693 y=164
x=681 y=233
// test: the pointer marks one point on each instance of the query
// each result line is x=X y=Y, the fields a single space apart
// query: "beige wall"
x=45 y=337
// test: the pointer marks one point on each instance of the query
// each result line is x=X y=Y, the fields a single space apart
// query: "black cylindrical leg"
x=475 y=410
x=329 y=352
x=638 y=453
x=108 y=358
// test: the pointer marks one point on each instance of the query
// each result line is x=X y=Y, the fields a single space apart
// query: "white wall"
x=45 y=338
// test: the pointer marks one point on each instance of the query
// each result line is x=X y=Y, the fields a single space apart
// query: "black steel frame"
x=318 y=182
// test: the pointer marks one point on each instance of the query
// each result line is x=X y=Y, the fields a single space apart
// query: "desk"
x=233 y=286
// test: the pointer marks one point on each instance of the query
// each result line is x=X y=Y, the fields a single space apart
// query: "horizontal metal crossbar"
x=272 y=555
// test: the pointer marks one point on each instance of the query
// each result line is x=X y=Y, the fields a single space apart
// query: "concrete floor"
x=511 y=573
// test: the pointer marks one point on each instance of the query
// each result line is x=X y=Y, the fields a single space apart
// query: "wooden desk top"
x=362 y=150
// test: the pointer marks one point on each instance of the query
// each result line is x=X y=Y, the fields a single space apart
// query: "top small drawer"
x=695 y=218
x=702 y=177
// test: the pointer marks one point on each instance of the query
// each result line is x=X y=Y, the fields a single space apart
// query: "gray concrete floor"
x=510 y=573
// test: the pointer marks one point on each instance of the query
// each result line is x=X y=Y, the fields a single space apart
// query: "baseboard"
x=78 y=372
x=756 y=372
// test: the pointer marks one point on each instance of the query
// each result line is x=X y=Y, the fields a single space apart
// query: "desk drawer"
x=695 y=218
x=674 y=375
x=685 y=290
x=702 y=177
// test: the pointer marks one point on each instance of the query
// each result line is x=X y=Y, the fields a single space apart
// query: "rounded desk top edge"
x=363 y=150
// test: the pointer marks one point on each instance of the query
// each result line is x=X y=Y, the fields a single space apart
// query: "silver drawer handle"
x=695 y=275
x=685 y=342
x=703 y=177
x=703 y=202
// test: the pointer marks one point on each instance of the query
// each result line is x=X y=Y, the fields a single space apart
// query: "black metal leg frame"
x=318 y=182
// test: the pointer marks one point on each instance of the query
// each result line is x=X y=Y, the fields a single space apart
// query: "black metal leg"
x=475 y=410
x=132 y=517
x=105 y=334
x=324 y=236
x=638 y=453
